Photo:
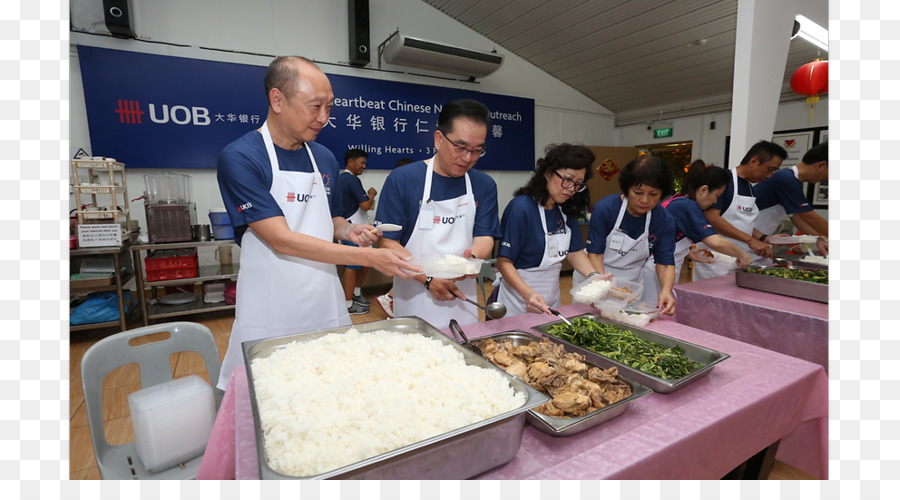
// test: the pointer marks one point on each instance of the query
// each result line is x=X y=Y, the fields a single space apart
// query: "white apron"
x=282 y=295
x=767 y=222
x=624 y=256
x=543 y=279
x=360 y=216
x=410 y=297
x=650 y=294
x=741 y=214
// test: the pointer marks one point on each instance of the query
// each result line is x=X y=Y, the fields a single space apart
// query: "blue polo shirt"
x=661 y=233
x=523 y=241
x=245 y=178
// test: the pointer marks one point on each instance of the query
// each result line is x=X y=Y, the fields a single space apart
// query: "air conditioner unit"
x=405 y=50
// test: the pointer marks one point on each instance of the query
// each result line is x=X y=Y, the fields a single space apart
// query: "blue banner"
x=155 y=111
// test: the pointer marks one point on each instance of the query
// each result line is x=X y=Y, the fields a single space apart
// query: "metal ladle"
x=495 y=310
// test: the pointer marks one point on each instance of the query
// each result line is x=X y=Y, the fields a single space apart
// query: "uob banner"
x=156 y=111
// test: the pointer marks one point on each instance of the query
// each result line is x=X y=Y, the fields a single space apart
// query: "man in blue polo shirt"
x=355 y=204
x=783 y=194
x=445 y=207
x=278 y=186
x=734 y=214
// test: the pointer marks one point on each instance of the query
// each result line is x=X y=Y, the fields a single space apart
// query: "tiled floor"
x=121 y=382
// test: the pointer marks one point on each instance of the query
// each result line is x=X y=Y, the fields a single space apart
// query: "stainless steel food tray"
x=566 y=426
x=782 y=286
x=707 y=358
x=459 y=454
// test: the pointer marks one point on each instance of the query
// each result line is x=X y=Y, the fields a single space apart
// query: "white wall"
x=709 y=145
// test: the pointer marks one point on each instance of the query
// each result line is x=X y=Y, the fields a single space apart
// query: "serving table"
x=792 y=326
x=746 y=404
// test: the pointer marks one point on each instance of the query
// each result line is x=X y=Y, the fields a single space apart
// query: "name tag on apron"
x=617 y=240
x=426 y=216
x=552 y=244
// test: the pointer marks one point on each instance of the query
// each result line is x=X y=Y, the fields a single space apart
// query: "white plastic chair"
x=122 y=461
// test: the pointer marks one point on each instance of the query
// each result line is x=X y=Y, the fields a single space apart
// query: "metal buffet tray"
x=566 y=426
x=783 y=286
x=708 y=358
x=458 y=454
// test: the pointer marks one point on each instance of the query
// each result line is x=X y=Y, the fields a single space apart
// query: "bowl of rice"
x=591 y=289
x=391 y=399
x=448 y=266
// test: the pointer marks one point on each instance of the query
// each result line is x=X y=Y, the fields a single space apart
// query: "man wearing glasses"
x=445 y=208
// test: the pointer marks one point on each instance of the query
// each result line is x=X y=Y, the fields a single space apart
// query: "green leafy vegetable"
x=792 y=274
x=626 y=347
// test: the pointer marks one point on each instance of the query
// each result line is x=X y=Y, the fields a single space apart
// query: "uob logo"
x=562 y=253
x=444 y=220
x=130 y=112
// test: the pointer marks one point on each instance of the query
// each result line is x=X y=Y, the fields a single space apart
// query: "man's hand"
x=760 y=248
x=442 y=289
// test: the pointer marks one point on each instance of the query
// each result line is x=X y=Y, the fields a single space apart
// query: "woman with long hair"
x=540 y=229
x=701 y=187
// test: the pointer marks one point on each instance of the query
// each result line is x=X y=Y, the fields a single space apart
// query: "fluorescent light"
x=812 y=32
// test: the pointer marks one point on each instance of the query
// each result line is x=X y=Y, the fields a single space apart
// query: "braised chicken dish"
x=576 y=387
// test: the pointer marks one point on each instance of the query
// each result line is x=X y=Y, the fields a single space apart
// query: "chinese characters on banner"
x=156 y=111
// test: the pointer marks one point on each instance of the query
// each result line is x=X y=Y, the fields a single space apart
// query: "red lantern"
x=811 y=79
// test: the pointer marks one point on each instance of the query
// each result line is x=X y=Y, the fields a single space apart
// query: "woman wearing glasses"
x=625 y=229
x=540 y=229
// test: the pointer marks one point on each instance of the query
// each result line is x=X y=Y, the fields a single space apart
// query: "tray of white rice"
x=391 y=399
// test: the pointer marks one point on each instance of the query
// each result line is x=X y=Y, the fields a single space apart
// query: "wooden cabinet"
x=148 y=290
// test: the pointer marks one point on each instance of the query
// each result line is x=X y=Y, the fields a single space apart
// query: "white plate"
x=174 y=299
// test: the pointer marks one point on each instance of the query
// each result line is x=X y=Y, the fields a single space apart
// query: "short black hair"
x=556 y=157
x=354 y=153
x=817 y=153
x=468 y=108
x=650 y=171
x=764 y=150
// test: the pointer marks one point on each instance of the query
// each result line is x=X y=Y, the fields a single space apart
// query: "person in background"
x=701 y=187
x=278 y=189
x=355 y=202
x=540 y=230
x=783 y=194
x=734 y=214
x=446 y=208
x=625 y=229
x=386 y=301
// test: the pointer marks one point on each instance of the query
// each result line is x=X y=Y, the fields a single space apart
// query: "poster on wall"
x=796 y=144
x=155 y=111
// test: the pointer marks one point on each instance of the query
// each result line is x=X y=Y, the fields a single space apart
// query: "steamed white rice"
x=345 y=397
x=591 y=291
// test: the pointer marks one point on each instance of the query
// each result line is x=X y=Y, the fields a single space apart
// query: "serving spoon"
x=495 y=310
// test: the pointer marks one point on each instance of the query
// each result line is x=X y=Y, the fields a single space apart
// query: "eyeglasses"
x=568 y=183
x=460 y=149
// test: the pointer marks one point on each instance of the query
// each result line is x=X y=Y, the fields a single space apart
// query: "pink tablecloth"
x=788 y=325
x=702 y=431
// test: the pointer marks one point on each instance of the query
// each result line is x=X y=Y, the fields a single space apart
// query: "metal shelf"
x=158 y=310
x=153 y=309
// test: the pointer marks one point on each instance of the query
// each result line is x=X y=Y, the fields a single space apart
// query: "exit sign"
x=662 y=132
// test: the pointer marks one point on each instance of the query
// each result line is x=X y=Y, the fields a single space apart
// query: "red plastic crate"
x=179 y=258
x=171 y=274
x=172 y=264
